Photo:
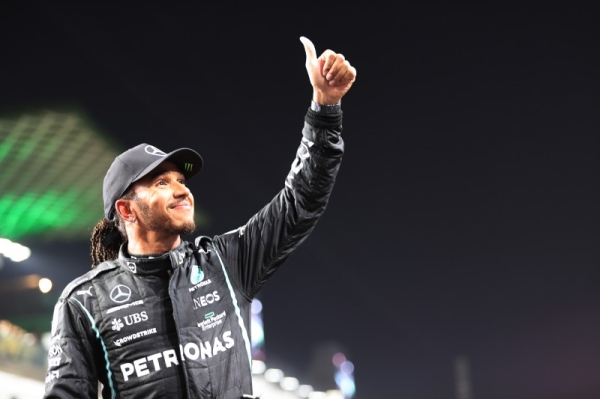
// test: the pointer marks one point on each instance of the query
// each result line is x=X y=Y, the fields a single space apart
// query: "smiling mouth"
x=180 y=205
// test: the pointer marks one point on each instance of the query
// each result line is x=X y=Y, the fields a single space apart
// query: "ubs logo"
x=135 y=318
x=121 y=293
x=130 y=320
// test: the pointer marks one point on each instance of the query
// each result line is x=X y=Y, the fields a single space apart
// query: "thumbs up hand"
x=331 y=75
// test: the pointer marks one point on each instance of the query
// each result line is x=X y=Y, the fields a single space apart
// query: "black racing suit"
x=178 y=326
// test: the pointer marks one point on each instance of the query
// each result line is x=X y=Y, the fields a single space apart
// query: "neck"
x=152 y=243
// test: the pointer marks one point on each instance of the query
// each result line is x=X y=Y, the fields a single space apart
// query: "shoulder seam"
x=87 y=277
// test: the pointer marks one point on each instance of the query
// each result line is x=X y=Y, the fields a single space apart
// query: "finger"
x=340 y=78
x=346 y=74
x=309 y=48
x=327 y=59
x=337 y=68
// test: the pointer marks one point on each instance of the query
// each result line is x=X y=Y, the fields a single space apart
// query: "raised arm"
x=253 y=252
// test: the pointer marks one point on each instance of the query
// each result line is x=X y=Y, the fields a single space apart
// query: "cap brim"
x=187 y=160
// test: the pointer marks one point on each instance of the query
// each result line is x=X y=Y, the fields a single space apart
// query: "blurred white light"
x=258 y=367
x=46 y=340
x=317 y=395
x=28 y=339
x=345 y=382
x=258 y=332
x=304 y=390
x=256 y=306
x=334 y=394
x=45 y=285
x=289 y=383
x=273 y=375
x=347 y=367
x=14 y=251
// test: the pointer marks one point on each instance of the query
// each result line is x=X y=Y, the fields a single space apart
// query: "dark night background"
x=465 y=219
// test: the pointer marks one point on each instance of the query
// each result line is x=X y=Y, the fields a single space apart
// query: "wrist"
x=326 y=99
x=326 y=108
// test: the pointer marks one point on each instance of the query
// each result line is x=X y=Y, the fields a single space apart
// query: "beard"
x=157 y=221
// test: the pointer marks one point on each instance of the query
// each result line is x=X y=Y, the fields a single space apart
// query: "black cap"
x=136 y=163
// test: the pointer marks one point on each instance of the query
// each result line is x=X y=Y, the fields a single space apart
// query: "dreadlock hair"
x=108 y=236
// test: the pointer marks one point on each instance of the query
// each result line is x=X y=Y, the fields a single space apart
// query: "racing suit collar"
x=163 y=263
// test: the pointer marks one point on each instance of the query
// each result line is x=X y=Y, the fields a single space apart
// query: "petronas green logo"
x=197 y=275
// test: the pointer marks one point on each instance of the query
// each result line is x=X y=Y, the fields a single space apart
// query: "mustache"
x=176 y=203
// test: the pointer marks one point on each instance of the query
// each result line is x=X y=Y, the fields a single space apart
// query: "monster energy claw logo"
x=188 y=166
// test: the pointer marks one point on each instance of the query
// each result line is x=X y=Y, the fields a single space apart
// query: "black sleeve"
x=254 y=251
x=72 y=364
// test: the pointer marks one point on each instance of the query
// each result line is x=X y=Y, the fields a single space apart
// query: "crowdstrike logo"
x=119 y=342
x=121 y=293
x=152 y=150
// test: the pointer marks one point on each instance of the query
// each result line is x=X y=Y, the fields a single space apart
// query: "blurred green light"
x=53 y=164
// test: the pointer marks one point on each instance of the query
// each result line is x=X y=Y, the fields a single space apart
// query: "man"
x=158 y=317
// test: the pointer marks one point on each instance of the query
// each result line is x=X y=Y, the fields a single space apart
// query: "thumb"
x=309 y=48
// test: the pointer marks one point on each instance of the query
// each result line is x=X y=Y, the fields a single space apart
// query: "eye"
x=181 y=181
x=161 y=183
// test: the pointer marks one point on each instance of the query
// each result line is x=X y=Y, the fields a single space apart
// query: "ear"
x=123 y=207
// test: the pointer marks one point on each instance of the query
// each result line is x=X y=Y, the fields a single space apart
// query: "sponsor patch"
x=197 y=275
x=132 y=337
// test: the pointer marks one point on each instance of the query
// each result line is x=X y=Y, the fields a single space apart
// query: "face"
x=162 y=201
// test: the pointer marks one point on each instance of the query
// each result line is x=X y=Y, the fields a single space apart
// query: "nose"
x=181 y=190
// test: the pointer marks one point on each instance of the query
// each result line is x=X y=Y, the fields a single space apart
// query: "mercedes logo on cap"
x=152 y=150
x=120 y=293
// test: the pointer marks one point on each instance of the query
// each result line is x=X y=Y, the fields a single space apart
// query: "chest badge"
x=197 y=275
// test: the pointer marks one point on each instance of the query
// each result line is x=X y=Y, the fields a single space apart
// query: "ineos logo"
x=120 y=293
x=152 y=150
x=206 y=300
